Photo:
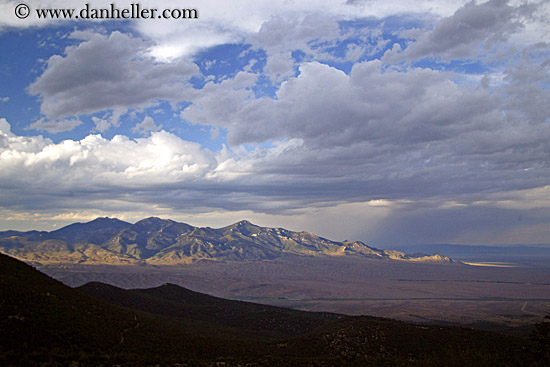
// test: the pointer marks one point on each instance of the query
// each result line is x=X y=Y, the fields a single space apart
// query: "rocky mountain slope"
x=166 y=242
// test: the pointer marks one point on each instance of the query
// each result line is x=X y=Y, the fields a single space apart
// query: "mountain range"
x=158 y=241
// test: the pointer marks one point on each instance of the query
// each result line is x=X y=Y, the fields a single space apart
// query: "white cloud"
x=5 y=128
x=35 y=163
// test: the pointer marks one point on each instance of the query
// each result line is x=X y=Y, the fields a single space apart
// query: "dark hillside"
x=43 y=320
x=44 y=323
x=176 y=302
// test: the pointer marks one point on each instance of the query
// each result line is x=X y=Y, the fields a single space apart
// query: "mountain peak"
x=95 y=231
x=154 y=220
x=107 y=221
x=99 y=221
x=244 y=222
x=153 y=223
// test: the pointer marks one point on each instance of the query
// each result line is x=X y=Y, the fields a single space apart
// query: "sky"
x=392 y=122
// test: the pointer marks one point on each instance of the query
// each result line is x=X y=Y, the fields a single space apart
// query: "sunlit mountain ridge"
x=166 y=242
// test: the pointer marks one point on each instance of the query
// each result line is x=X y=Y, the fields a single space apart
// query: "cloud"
x=288 y=183
x=96 y=162
x=5 y=128
x=369 y=105
x=232 y=23
x=472 y=26
x=106 y=73
x=101 y=125
x=280 y=36
x=55 y=126
x=146 y=126
x=527 y=86
x=383 y=132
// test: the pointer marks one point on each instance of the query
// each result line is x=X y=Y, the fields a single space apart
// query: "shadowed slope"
x=42 y=319
x=180 y=303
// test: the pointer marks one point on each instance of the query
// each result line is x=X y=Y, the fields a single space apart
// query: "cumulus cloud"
x=161 y=169
x=108 y=73
x=374 y=134
x=368 y=105
x=37 y=167
x=387 y=132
